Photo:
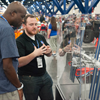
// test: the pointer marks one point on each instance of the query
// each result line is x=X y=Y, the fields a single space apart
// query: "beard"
x=33 y=32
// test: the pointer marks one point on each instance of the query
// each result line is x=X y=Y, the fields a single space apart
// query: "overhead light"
x=50 y=6
x=28 y=2
x=31 y=5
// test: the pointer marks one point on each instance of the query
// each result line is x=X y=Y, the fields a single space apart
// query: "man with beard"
x=10 y=86
x=32 y=68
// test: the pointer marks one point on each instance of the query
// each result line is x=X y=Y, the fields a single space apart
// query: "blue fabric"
x=53 y=33
x=8 y=49
x=78 y=42
x=34 y=86
x=72 y=73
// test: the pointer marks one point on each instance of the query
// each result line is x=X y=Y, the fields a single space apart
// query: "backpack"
x=43 y=27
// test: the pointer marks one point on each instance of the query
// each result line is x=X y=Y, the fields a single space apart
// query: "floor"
x=51 y=63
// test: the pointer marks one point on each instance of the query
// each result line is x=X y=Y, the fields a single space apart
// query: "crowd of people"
x=25 y=55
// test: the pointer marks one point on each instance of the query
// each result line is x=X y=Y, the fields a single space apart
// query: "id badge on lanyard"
x=39 y=62
x=39 y=59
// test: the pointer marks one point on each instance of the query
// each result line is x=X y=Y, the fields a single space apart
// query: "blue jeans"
x=37 y=86
x=78 y=42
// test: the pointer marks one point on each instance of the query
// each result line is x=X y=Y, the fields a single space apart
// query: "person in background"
x=63 y=20
x=43 y=29
x=78 y=31
x=32 y=67
x=46 y=19
x=65 y=46
x=52 y=34
x=10 y=86
x=65 y=30
x=42 y=18
x=58 y=26
x=72 y=33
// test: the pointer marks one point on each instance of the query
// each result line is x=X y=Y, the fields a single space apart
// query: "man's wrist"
x=50 y=51
x=63 y=50
x=21 y=87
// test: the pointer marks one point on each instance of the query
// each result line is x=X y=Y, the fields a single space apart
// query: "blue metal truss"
x=46 y=5
x=93 y=4
x=64 y=5
x=58 y=6
x=61 y=3
x=70 y=7
x=37 y=10
x=40 y=6
x=30 y=10
x=86 y=5
x=85 y=9
x=80 y=6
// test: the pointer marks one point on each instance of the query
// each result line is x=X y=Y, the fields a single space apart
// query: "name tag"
x=39 y=62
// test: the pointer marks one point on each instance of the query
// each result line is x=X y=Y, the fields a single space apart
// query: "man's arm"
x=48 y=35
x=49 y=54
x=48 y=51
x=10 y=73
x=27 y=59
x=61 y=52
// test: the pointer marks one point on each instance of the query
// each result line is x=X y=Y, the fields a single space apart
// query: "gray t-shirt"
x=8 y=49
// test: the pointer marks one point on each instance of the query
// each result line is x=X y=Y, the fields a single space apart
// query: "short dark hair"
x=25 y=18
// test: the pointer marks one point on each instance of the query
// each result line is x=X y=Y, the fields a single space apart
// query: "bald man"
x=10 y=86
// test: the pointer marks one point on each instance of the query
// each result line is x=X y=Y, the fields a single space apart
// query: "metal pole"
x=70 y=7
x=86 y=5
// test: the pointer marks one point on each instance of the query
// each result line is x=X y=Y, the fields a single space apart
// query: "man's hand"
x=43 y=50
x=48 y=50
x=67 y=48
x=20 y=92
x=40 y=51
